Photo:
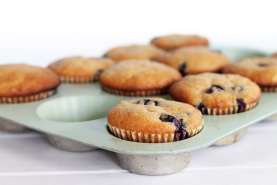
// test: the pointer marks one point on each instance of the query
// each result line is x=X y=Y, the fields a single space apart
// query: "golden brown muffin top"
x=134 y=52
x=170 y=42
x=153 y=115
x=80 y=66
x=215 y=90
x=262 y=70
x=23 y=80
x=194 y=60
x=139 y=75
x=203 y=49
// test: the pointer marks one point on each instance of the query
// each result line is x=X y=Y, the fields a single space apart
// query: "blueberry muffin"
x=154 y=120
x=21 y=83
x=138 y=78
x=148 y=52
x=80 y=69
x=170 y=42
x=194 y=60
x=262 y=70
x=217 y=93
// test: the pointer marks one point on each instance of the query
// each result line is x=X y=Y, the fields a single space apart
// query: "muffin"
x=154 y=120
x=194 y=60
x=171 y=42
x=21 y=83
x=80 y=69
x=262 y=70
x=138 y=78
x=193 y=49
x=274 y=55
x=147 y=52
x=217 y=94
x=24 y=83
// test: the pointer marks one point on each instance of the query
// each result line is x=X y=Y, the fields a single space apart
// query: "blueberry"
x=150 y=103
x=147 y=102
x=216 y=87
x=168 y=118
x=141 y=102
x=182 y=134
x=241 y=105
x=262 y=65
x=237 y=89
x=97 y=74
x=201 y=107
x=176 y=136
x=182 y=69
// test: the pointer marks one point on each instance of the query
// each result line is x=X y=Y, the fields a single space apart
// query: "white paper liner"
x=154 y=92
x=149 y=137
x=29 y=98
x=268 y=89
x=224 y=111
x=68 y=79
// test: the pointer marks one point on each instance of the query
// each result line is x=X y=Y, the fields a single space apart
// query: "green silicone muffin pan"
x=78 y=112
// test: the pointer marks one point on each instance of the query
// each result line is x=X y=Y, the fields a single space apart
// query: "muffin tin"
x=77 y=113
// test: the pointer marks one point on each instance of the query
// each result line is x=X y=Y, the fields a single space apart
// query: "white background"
x=39 y=32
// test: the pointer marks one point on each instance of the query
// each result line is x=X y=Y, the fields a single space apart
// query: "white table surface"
x=27 y=158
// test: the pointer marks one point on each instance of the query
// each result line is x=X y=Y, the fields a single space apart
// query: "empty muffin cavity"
x=76 y=108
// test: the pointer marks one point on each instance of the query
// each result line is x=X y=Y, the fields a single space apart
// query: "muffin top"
x=212 y=90
x=262 y=70
x=274 y=55
x=134 y=52
x=23 y=80
x=154 y=115
x=139 y=75
x=170 y=42
x=80 y=66
x=194 y=60
x=204 y=49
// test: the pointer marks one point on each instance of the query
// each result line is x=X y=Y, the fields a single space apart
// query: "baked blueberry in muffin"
x=154 y=120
